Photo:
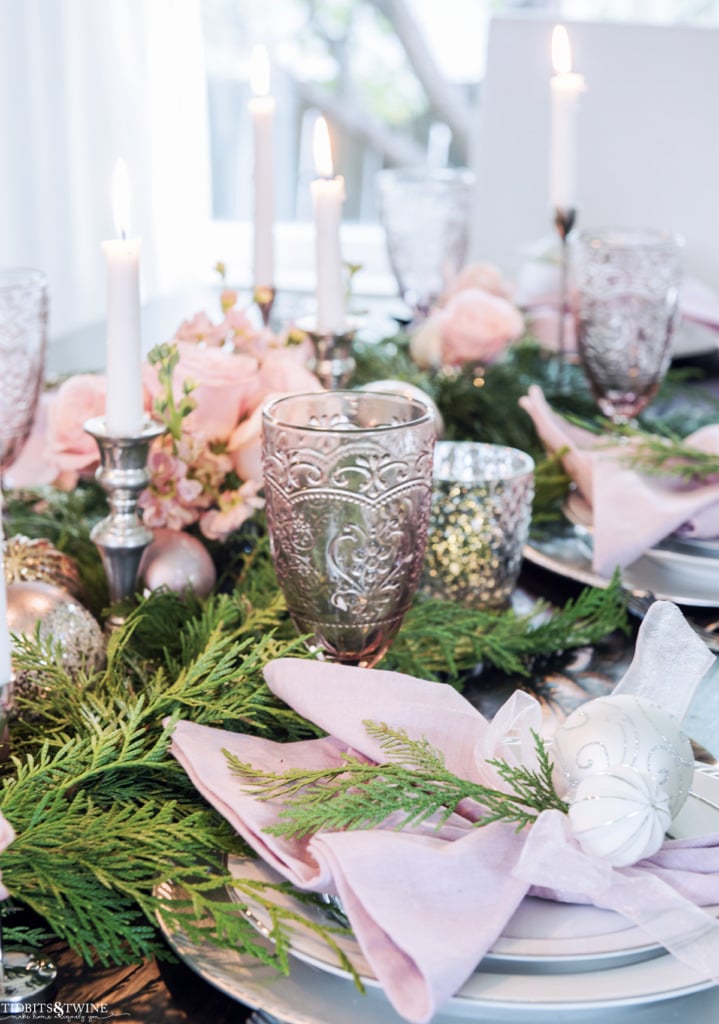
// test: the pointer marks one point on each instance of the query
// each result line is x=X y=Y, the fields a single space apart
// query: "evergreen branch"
x=664 y=456
x=358 y=794
x=438 y=639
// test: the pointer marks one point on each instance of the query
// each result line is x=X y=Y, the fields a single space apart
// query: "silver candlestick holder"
x=334 y=362
x=264 y=298
x=564 y=221
x=121 y=537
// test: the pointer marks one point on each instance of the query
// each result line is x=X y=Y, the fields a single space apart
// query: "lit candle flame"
x=561 y=51
x=260 y=71
x=121 y=198
x=322 y=149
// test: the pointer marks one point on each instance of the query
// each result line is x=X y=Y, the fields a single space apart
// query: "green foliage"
x=172 y=412
x=104 y=814
x=439 y=639
x=413 y=783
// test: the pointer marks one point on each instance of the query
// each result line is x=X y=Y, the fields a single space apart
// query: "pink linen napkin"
x=426 y=905
x=630 y=511
x=421 y=948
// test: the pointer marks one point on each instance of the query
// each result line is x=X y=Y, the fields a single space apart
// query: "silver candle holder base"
x=264 y=298
x=121 y=537
x=334 y=362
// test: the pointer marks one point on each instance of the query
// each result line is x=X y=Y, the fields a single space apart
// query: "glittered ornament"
x=622 y=729
x=176 y=560
x=34 y=606
x=28 y=559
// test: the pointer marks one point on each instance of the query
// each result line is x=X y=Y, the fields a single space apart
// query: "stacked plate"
x=552 y=959
x=681 y=570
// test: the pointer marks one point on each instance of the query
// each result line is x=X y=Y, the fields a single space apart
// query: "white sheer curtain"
x=81 y=83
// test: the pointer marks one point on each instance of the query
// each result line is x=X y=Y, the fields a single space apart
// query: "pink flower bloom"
x=242 y=332
x=69 y=447
x=245 y=447
x=33 y=468
x=200 y=329
x=478 y=326
x=282 y=371
x=172 y=499
x=226 y=387
x=478 y=275
x=228 y=299
x=235 y=507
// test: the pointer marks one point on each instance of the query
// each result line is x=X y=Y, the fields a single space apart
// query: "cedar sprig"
x=656 y=451
x=439 y=639
x=414 y=787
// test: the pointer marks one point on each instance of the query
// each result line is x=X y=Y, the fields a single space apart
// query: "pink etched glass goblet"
x=23 y=337
x=348 y=486
x=628 y=282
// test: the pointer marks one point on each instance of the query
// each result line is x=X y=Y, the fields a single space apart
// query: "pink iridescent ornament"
x=176 y=560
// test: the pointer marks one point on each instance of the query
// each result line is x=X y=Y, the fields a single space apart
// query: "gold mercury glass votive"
x=479 y=520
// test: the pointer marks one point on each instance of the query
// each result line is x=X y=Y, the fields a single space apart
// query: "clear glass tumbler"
x=627 y=282
x=426 y=216
x=23 y=340
x=479 y=521
x=348 y=483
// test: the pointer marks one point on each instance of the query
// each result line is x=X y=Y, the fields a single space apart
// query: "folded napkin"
x=426 y=905
x=631 y=511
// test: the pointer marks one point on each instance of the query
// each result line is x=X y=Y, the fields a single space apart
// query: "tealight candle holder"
x=334 y=361
x=564 y=221
x=121 y=537
x=264 y=298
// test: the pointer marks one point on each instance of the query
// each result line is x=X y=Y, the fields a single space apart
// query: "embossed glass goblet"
x=23 y=333
x=627 y=283
x=348 y=484
x=425 y=213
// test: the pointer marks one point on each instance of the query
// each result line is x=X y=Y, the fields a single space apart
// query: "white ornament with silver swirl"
x=625 y=767
x=620 y=815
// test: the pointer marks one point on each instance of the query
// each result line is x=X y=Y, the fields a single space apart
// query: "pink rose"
x=226 y=387
x=478 y=275
x=70 y=449
x=245 y=447
x=478 y=326
x=283 y=371
x=32 y=467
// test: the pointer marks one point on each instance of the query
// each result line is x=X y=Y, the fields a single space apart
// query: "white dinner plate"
x=543 y=936
x=656 y=991
x=693 y=339
x=687 y=577
x=689 y=554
